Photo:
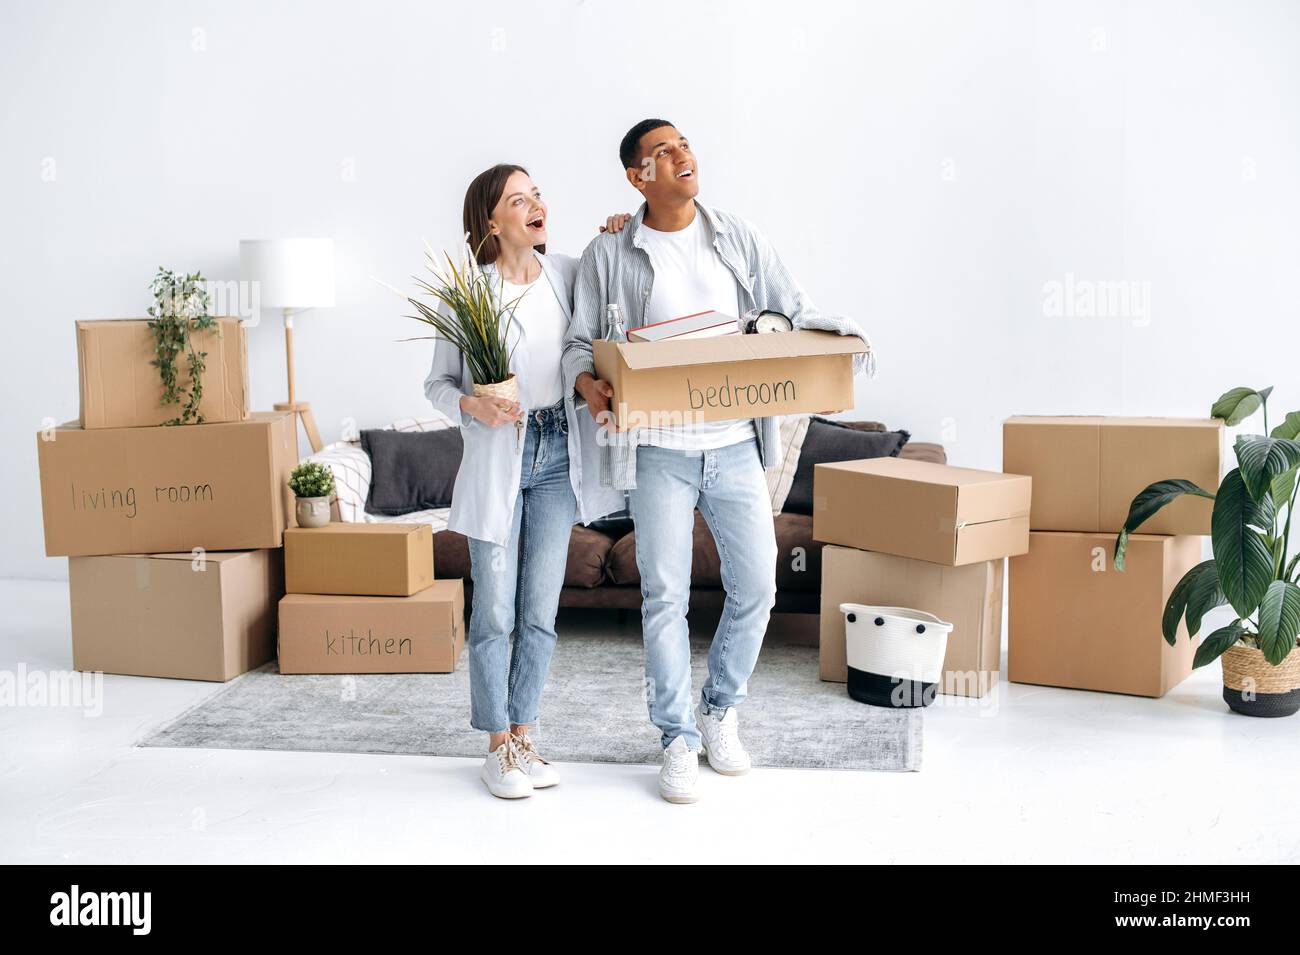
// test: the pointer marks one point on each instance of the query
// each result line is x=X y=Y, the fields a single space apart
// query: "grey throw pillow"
x=828 y=441
x=411 y=470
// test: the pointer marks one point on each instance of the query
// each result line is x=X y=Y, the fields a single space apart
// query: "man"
x=677 y=257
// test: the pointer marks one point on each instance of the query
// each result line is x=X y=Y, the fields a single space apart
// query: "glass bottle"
x=614 y=331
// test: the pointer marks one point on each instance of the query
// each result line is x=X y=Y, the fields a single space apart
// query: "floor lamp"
x=293 y=275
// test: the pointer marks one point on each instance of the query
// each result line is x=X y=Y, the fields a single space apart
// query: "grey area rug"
x=592 y=711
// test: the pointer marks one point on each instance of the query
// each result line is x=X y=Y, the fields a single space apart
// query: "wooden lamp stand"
x=300 y=408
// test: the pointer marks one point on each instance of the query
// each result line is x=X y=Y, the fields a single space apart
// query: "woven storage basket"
x=1242 y=664
x=1254 y=688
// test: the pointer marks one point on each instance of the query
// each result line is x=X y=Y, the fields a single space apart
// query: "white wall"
x=926 y=167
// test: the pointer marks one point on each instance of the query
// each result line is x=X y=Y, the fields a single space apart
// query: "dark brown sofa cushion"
x=922 y=451
x=588 y=553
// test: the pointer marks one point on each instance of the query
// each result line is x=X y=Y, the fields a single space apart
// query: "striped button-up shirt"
x=616 y=268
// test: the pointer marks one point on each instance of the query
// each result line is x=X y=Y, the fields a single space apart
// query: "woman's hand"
x=615 y=223
x=493 y=412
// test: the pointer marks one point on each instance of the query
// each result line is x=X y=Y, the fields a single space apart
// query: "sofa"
x=602 y=569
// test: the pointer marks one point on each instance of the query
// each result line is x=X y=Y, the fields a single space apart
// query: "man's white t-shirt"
x=690 y=277
x=542 y=320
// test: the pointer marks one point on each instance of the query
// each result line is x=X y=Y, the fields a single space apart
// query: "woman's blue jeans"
x=517 y=586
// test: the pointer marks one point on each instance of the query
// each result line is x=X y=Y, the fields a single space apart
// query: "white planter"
x=895 y=654
x=313 y=511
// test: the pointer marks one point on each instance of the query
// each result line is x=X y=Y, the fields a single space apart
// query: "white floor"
x=1030 y=774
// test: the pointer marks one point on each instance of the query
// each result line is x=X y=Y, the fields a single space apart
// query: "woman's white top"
x=544 y=324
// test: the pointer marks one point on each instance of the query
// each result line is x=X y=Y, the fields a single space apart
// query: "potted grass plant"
x=468 y=312
x=312 y=484
x=1250 y=529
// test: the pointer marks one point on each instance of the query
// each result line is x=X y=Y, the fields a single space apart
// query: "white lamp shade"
x=293 y=273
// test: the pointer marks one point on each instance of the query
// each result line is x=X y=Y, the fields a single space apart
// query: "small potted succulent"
x=313 y=484
x=1250 y=530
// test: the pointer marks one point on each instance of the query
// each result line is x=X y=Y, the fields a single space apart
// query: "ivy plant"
x=181 y=306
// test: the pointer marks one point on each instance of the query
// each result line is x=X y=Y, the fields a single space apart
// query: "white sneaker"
x=720 y=740
x=680 y=773
x=503 y=775
x=542 y=773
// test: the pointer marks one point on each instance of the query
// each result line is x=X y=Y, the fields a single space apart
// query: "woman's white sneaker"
x=542 y=773
x=680 y=775
x=720 y=740
x=503 y=775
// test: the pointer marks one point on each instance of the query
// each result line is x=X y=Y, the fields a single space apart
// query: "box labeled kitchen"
x=935 y=512
x=422 y=633
x=1087 y=470
x=969 y=597
x=676 y=381
x=161 y=490
x=121 y=389
x=1075 y=621
x=186 y=616
x=393 y=560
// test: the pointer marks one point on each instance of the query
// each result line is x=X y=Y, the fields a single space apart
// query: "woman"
x=516 y=500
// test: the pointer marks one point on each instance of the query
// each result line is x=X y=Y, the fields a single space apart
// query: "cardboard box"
x=422 y=633
x=733 y=376
x=164 y=490
x=969 y=597
x=1075 y=621
x=121 y=389
x=394 y=560
x=172 y=615
x=918 y=509
x=1087 y=470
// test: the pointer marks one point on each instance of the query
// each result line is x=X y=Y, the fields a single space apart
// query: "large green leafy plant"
x=1250 y=528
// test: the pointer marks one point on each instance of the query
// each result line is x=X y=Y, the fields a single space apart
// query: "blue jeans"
x=729 y=488
x=517 y=586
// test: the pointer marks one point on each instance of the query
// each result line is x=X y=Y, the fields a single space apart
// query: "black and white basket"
x=895 y=654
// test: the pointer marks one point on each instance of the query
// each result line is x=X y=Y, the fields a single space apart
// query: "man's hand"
x=493 y=412
x=598 y=394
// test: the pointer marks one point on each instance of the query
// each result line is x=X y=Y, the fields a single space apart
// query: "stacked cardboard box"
x=1074 y=621
x=927 y=536
x=362 y=598
x=172 y=533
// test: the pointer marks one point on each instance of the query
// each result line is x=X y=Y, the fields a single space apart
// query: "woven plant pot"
x=508 y=389
x=1253 y=687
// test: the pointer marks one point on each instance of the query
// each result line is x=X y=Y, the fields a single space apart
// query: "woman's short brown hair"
x=481 y=198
